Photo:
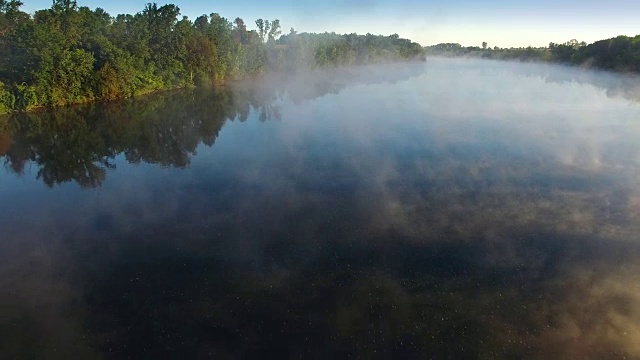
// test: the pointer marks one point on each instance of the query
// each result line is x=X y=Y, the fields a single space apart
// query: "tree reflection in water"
x=79 y=143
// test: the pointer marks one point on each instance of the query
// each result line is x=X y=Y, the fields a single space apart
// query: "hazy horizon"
x=521 y=24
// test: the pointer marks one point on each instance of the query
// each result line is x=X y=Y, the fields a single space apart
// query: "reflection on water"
x=458 y=209
x=80 y=143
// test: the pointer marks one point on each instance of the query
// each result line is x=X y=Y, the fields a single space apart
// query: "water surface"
x=453 y=209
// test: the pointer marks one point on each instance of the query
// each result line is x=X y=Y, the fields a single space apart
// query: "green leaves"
x=65 y=77
x=26 y=97
x=7 y=100
x=71 y=54
x=330 y=49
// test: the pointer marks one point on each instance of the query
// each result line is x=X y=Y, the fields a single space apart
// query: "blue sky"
x=501 y=23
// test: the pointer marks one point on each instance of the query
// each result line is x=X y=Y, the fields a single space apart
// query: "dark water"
x=453 y=209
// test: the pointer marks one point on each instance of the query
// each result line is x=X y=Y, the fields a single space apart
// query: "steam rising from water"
x=457 y=208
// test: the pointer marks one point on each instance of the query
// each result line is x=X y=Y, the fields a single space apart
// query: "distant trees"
x=71 y=54
x=621 y=53
x=331 y=49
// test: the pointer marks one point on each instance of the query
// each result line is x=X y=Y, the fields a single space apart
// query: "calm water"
x=453 y=209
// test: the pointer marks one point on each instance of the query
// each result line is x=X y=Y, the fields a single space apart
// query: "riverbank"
x=620 y=54
x=217 y=83
x=72 y=54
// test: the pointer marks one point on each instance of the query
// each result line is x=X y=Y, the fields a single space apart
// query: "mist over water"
x=448 y=209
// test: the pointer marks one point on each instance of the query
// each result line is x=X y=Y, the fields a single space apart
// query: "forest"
x=621 y=53
x=70 y=54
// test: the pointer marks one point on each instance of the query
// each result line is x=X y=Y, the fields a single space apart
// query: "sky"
x=498 y=22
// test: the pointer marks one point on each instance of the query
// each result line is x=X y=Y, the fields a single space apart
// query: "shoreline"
x=225 y=83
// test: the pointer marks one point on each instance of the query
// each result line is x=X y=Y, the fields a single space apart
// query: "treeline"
x=457 y=50
x=621 y=53
x=71 y=54
x=330 y=49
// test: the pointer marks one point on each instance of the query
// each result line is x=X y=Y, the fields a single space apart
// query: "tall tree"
x=275 y=30
x=261 y=29
x=240 y=31
x=267 y=28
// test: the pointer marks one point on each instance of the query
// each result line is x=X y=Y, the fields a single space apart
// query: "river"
x=447 y=209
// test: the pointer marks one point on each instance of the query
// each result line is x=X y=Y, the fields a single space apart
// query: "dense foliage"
x=72 y=54
x=621 y=53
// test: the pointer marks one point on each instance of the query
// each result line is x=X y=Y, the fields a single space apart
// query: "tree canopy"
x=72 y=54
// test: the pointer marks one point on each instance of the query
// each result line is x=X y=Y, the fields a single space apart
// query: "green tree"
x=275 y=30
x=7 y=100
x=240 y=31
x=261 y=28
x=267 y=28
